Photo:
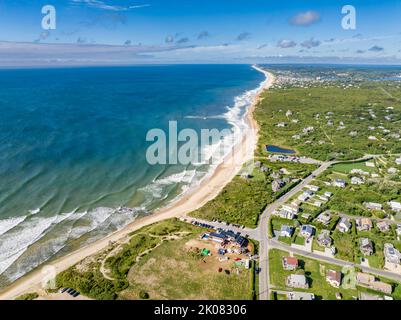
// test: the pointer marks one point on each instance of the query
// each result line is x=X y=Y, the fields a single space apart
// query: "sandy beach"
x=196 y=198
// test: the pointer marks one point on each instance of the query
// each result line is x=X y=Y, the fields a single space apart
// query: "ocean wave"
x=10 y=223
x=36 y=239
x=158 y=188
x=28 y=241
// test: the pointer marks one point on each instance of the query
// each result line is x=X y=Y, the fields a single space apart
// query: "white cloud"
x=285 y=44
x=103 y=5
x=305 y=18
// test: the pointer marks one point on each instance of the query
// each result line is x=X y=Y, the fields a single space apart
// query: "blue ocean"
x=73 y=149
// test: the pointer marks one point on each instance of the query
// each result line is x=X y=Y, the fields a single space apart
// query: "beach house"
x=373 y=206
x=290 y=263
x=340 y=183
x=366 y=247
x=324 y=239
x=364 y=224
x=391 y=254
x=324 y=218
x=357 y=181
x=307 y=231
x=286 y=231
x=383 y=226
x=344 y=225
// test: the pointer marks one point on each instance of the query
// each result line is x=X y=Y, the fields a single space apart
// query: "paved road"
x=264 y=276
x=273 y=243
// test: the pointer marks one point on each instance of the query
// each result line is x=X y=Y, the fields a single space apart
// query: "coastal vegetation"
x=28 y=296
x=157 y=262
x=332 y=120
x=244 y=198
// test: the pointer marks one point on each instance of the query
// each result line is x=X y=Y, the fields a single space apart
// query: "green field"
x=347 y=167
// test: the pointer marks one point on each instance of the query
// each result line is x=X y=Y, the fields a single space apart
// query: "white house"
x=286 y=231
x=383 y=226
x=340 y=183
x=303 y=197
x=391 y=254
x=395 y=206
x=373 y=206
x=357 y=181
x=344 y=225
x=324 y=218
x=313 y=188
x=364 y=224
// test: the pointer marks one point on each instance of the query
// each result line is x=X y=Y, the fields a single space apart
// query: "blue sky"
x=161 y=31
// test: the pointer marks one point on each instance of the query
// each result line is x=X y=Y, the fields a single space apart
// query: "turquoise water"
x=73 y=149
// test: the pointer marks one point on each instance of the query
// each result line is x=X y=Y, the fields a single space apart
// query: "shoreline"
x=207 y=190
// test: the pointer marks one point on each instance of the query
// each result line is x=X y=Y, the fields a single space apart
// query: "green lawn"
x=299 y=240
x=347 y=167
x=314 y=271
